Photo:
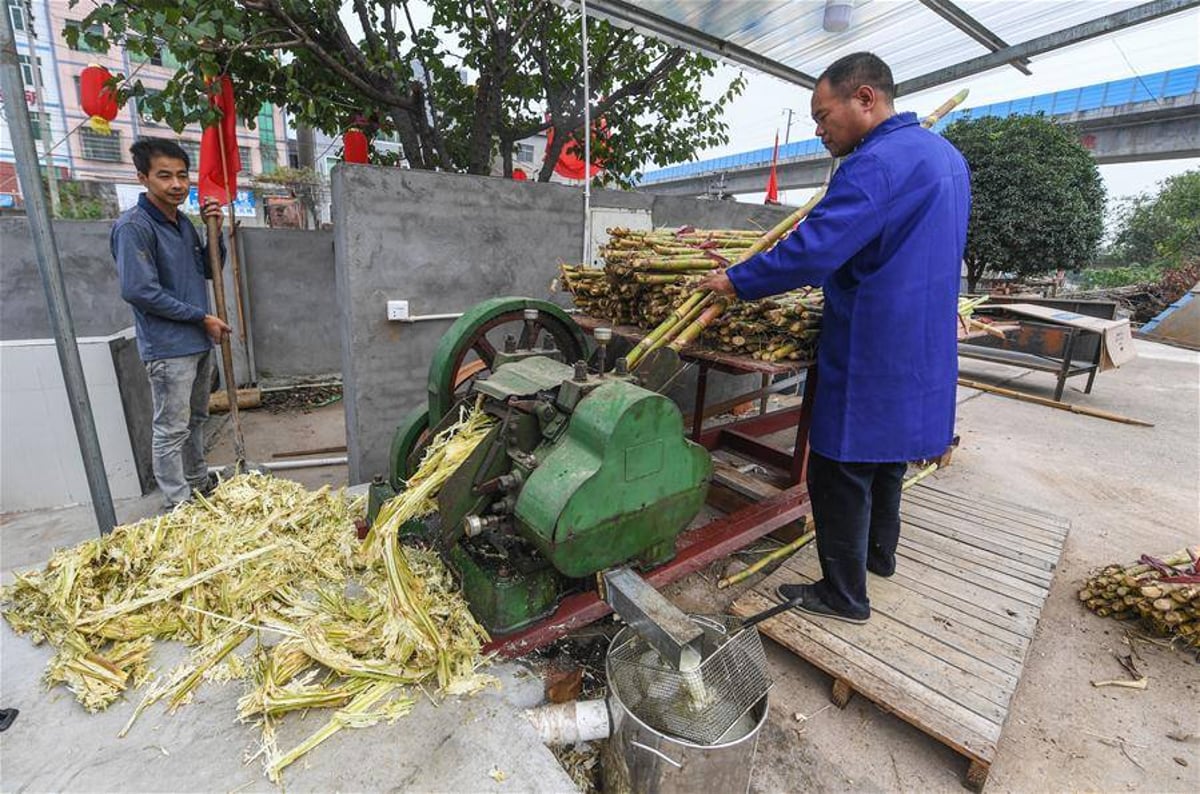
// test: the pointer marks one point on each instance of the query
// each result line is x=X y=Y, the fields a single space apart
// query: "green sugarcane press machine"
x=584 y=470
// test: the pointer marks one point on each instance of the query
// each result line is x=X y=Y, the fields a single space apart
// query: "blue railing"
x=1161 y=85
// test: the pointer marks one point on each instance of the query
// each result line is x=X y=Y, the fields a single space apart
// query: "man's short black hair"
x=860 y=68
x=147 y=148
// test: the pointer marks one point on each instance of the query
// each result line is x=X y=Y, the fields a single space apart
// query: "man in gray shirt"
x=163 y=263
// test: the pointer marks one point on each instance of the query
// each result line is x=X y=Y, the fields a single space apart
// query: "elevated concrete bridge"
x=1155 y=117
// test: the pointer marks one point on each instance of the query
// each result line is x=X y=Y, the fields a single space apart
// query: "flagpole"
x=214 y=258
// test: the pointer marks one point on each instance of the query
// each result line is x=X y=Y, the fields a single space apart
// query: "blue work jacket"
x=162 y=266
x=886 y=245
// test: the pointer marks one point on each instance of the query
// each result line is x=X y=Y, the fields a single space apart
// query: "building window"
x=161 y=56
x=81 y=44
x=193 y=151
x=270 y=158
x=244 y=156
x=524 y=152
x=35 y=121
x=16 y=13
x=27 y=71
x=100 y=147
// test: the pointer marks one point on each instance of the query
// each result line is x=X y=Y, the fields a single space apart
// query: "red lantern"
x=519 y=175
x=98 y=98
x=354 y=146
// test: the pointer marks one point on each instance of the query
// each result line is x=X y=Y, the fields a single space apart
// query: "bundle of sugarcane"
x=335 y=624
x=1163 y=594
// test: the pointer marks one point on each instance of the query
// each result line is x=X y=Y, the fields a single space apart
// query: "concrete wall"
x=88 y=270
x=290 y=284
x=289 y=279
x=445 y=242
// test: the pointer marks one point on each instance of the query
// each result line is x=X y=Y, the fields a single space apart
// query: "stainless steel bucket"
x=639 y=759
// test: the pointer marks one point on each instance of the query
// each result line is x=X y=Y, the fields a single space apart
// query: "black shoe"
x=208 y=486
x=811 y=603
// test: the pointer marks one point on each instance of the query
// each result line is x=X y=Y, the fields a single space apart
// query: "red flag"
x=773 y=180
x=218 y=174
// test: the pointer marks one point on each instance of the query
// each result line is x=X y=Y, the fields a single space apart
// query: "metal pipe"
x=285 y=465
x=44 y=121
x=46 y=250
x=587 y=141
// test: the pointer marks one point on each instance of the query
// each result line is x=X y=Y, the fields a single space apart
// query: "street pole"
x=44 y=122
x=46 y=251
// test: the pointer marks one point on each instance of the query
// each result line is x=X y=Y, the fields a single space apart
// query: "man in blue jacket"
x=886 y=245
x=163 y=263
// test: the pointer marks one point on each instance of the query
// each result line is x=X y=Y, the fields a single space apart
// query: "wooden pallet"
x=949 y=632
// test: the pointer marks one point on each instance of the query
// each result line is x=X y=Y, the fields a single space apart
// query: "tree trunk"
x=974 y=272
x=552 y=153
x=506 y=155
x=410 y=141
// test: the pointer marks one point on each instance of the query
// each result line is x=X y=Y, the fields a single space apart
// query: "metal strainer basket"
x=699 y=706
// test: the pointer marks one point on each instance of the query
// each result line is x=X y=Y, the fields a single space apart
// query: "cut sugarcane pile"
x=1163 y=594
x=334 y=623
x=648 y=274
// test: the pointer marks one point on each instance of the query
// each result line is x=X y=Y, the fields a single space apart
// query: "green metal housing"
x=622 y=481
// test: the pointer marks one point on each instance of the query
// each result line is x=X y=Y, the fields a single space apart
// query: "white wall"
x=40 y=462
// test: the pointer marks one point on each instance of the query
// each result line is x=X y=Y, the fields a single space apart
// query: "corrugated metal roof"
x=909 y=36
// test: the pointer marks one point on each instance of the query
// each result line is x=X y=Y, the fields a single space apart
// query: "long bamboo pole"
x=1046 y=401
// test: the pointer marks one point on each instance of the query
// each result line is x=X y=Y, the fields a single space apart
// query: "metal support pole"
x=587 y=142
x=46 y=250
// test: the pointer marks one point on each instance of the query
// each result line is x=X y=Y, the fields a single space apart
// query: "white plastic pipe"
x=569 y=723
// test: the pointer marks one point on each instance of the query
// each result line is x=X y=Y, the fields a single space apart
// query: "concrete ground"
x=480 y=743
x=1126 y=490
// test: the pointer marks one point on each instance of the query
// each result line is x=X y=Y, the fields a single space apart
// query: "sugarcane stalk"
x=916 y=478
x=693 y=331
x=687 y=321
x=644 y=346
x=767 y=559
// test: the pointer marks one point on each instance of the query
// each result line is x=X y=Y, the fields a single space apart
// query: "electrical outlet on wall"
x=397 y=310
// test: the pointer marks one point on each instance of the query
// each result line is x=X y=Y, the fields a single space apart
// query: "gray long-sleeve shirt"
x=162 y=267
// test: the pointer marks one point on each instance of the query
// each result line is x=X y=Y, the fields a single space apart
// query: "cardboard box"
x=1116 y=337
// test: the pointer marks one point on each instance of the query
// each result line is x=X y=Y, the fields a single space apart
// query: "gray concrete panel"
x=444 y=242
x=289 y=276
x=134 y=386
x=88 y=270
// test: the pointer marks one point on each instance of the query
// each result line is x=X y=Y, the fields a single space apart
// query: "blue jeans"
x=180 y=388
x=856 y=508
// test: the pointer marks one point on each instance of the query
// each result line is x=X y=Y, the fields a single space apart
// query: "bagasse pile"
x=334 y=623
x=1163 y=594
x=647 y=274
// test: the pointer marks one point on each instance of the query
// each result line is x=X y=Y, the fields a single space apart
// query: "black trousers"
x=856 y=507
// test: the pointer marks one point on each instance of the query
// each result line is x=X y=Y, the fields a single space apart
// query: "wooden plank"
x=1031 y=540
x=1040 y=537
x=1000 y=606
x=940 y=633
x=995 y=581
x=968 y=553
x=1047 y=532
x=928 y=710
x=1008 y=626
x=1034 y=518
x=974 y=539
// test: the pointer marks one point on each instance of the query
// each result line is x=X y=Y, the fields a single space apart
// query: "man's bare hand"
x=216 y=328
x=717 y=281
x=211 y=208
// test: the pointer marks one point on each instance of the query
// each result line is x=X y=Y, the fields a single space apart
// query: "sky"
x=1168 y=43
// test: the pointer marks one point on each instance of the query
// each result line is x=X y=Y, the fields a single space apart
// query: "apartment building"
x=51 y=70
